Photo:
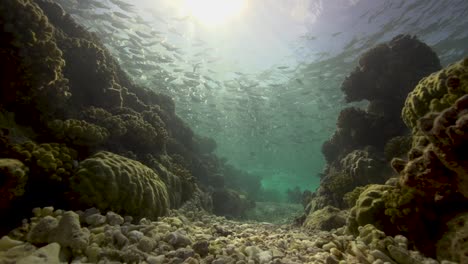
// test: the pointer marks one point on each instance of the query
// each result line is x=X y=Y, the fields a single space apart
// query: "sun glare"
x=214 y=12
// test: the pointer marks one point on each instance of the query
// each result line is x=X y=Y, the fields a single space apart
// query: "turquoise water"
x=265 y=83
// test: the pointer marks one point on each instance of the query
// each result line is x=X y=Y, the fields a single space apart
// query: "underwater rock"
x=48 y=163
x=436 y=92
x=249 y=243
x=40 y=232
x=453 y=245
x=178 y=239
x=34 y=88
x=389 y=71
x=66 y=231
x=369 y=208
x=78 y=132
x=13 y=178
x=228 y=202
x=358 y=168
x=325 y=219
x=112 y=182
x=114 y=219
x=48 y=254
x=69 y=233
x=384 y=76
x=397 y=147
x=201 y=247
x=365 y=168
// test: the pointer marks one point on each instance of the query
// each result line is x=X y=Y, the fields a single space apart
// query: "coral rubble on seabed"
x=57 y=236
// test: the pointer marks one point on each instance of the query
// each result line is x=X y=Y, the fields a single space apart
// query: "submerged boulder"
x=108 y=181
x=325 y=219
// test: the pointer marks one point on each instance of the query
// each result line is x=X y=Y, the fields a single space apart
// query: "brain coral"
x=112 y=182
x=436 y=92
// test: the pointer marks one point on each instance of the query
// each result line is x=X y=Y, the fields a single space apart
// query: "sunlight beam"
x=214 y=12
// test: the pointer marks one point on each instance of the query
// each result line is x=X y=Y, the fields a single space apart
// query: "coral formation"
x=64 y=84
x=436 y=92
x=389 y=71
x=432 y=183
x=453 y=245
x=13 y=178
x=442 y=167
x=358 y=168
x=112 y=182
x=365 y=140
x=351 y=197
x=370 y=209
x=397 y=147
x=327 y=218
x=78 y=132
x=52 y=162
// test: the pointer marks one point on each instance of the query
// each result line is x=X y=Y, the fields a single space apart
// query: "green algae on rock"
x=436 y=92
x=13 y=179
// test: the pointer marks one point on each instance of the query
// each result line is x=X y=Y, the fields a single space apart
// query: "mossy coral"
x=397 y=147
x=351 y=197
x=78 y=132
x=13 y=178
x=54 y=162
x=389 y=71
x=436 y=92
x=434 y=179
x=112 y=182
x=34 y=64
x=370 y=209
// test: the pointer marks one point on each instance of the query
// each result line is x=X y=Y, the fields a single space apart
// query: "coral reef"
x=13 y=178
x=365 y=140
x=112 y=182
x=34 y=83
x=431 y=190
x=51 y=60
x=351 y=197
x=442 y=166
x=52 y=162
x=397 y=147
x=436 y=92
x=78 y=132
x=385 y=75
x=370 y=209
x=358 y=168
x=326 y=219
x=388 y=72
x=453 y=245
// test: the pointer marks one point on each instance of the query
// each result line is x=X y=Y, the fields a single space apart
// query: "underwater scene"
x=234 y=131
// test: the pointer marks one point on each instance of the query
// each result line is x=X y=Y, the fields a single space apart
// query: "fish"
x=123 y=5
x=98 y=4
x=282 y=67
x=191 y=75
x=121 y=15
x=195 y=66
x=118 y=25
x=141 y=34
